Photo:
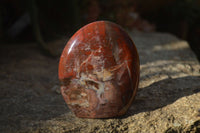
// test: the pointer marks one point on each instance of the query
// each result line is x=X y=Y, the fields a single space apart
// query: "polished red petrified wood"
x=99 y=71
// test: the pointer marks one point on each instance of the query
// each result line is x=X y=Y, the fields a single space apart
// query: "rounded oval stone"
x=99 y=71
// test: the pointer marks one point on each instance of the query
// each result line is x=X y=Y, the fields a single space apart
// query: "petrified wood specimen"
x=99 y=71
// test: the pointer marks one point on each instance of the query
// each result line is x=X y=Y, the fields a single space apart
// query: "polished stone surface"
x=99 y=71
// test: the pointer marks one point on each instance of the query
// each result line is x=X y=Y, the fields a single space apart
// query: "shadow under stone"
x=163 y=93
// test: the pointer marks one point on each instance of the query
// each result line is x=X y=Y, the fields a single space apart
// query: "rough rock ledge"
x=168 y=99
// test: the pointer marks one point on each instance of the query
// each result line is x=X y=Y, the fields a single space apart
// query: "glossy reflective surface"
x=99 y=71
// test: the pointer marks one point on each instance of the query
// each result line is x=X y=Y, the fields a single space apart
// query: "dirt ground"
x=168 y=99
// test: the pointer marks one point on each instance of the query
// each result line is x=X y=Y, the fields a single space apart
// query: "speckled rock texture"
x=168 y=99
